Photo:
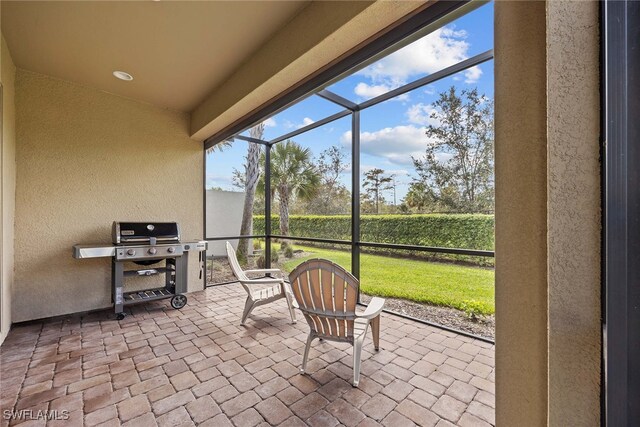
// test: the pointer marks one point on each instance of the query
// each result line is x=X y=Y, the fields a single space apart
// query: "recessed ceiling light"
x=123 y=76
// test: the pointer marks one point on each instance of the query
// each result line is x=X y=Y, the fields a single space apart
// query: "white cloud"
x=270 y=122
x=437 y=50
x=367 y=91
x=421 y=114
x=472 y=75
x=288 y=124
x=396 y=144
x=371 y=91
x=306 y=122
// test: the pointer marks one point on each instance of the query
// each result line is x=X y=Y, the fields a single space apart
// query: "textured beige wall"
x=86 y=158
x=573 y=193
x=548 y=345
x=330 y=29
x=521 y=214
x=8 y=183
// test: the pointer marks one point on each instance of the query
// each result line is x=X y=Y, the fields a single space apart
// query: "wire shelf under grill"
x=147 y=295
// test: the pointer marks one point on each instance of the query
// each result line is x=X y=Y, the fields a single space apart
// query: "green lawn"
x=450 y=285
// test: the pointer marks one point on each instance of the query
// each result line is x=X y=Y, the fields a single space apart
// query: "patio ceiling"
x=218 y=61
x=178 y=52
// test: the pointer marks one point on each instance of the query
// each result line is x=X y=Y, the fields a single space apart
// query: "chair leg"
x=289 y=298
x=248 y=306
x=357 y=351
x=306 y=353
x=375 y=331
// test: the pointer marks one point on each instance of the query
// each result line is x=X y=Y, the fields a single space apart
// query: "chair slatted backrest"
x=327 y=295
x=235 y=266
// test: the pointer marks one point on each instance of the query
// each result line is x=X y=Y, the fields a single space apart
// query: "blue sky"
x=393 y=131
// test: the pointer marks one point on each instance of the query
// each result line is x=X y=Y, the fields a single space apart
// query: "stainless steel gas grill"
x=156 y=246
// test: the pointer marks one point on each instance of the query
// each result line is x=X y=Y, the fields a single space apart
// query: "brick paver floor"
x=199 y=366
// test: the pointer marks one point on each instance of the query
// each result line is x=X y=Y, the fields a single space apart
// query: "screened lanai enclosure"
x=385 y=169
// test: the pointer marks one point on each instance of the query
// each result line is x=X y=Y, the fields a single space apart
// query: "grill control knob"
x=152 y=251
x=131 y=252
x=171 y=249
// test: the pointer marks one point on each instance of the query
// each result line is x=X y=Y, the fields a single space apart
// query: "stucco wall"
x=8 y=183
x=521 y=207
x=548 y=345
x=86 y=158
x=573 y=193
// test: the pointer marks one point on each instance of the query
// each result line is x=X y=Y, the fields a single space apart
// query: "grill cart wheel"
x=120 y=316
x=178 y=301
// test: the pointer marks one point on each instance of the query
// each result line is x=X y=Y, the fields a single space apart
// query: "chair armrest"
x=373 y=309
x=264 y=270
x=273 y=281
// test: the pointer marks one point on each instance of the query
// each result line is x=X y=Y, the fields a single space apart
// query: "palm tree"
x=252 y=175
x=292 y=175
x=220 y=146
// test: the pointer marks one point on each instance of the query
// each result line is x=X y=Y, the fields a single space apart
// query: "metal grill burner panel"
x=148 y=252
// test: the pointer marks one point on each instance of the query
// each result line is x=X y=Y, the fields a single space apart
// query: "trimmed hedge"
x=463 y=231
x=337 y=227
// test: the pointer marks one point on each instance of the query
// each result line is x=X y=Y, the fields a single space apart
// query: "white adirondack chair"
x=257 y=293
x=327 y=295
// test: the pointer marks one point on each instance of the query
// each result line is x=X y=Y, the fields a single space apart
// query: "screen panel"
x=311 y=183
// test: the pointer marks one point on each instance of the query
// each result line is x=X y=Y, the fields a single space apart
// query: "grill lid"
x=145 y=232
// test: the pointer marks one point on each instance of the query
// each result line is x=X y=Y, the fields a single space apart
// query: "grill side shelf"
x=93 y=251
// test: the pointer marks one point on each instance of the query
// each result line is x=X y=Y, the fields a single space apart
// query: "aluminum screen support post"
x=267 y=207
x=620 y=39
x=355 y=195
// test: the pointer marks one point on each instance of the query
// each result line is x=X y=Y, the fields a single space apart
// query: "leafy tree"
x=238 y=178
x=420 y=198
x=375 y=182
x=367 y=205
x=457 y=168
x=332 y=197
x=331 y=164
x=292 y=176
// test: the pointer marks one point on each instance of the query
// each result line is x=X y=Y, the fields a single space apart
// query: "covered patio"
x=198 y=366
x=109 y=110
